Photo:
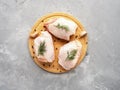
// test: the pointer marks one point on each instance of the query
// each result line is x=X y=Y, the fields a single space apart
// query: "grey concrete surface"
x=100 y=69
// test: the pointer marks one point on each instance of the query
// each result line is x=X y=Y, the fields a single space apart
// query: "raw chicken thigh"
x=69 y=54
x=43 y=46
x=61 y=28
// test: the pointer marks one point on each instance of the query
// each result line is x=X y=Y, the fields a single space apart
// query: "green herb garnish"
x=42 y=48
x=71 y=55
x=62 y=27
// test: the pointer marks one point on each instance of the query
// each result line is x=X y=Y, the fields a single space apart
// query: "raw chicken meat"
x=61 y=28
x=43 y=46
x=69 y=54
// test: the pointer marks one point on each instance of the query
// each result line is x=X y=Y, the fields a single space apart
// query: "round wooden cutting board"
x=54 y=67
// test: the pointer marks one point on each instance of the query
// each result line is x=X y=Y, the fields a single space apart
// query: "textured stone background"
x=100 y=69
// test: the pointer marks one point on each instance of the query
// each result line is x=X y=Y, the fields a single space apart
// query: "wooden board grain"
x=54 y=67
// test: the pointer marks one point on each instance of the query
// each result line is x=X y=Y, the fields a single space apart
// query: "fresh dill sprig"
x=71 y=54
x=62 y=27
x=42 y=48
